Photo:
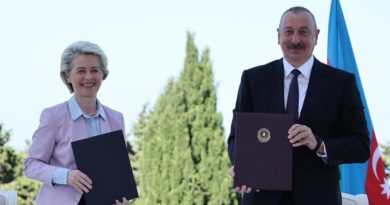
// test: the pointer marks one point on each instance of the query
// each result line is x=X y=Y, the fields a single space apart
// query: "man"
x=330 y=128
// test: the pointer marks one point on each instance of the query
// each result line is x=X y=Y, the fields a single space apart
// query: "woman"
x=50 y=159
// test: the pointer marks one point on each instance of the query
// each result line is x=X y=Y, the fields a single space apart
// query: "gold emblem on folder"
x=264 y=135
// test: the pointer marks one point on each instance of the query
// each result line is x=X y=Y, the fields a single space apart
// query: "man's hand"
x=80 y=181
x=231 y=172
x=302 y=135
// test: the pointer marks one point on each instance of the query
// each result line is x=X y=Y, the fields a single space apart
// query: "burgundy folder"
x=263 y=154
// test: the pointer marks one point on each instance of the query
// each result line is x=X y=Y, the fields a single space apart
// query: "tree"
x=138 y=131
x=4 y=136
x=27 y=188
x=182 y=153
x=11 y=171
x=385 y=151
x=10 y=166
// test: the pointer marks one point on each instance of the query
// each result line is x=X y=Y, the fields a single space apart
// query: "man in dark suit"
x=330 y=128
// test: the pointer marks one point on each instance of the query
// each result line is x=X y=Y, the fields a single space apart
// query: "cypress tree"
x=182 y=154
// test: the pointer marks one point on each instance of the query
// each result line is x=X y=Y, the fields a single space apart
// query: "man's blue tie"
x=293 y=95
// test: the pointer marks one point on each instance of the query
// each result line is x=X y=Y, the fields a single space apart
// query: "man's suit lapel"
x=314 y=89
x=276 y=91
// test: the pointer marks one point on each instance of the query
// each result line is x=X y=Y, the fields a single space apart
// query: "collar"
x=305 y=68
x=76 y=111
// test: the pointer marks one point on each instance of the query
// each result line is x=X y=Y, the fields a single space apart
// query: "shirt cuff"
x=60 y=176
x=325 y=155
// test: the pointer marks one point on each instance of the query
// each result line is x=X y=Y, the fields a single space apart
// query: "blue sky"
x=145 y=45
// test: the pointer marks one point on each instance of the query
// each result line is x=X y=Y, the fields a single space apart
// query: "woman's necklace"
x=91 y=114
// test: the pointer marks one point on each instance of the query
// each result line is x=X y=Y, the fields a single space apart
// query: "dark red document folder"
x=263 y=154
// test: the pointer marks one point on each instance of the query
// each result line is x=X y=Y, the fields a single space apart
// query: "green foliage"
x=10 y=166
x=385 y=151
x=11 y=171
x=4 y=136
x=181 y=155
x=27 y=189
x=137 y=131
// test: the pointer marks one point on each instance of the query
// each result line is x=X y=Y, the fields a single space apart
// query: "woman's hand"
x=80 y=181
x=125 y=202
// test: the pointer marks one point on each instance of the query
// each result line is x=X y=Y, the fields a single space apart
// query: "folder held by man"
x=263 y=154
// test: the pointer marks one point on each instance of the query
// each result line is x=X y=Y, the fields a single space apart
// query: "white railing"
x=8 y=197
x=360 y=199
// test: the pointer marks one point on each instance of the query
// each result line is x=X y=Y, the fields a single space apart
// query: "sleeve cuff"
x=60 y=176
x=323 y=156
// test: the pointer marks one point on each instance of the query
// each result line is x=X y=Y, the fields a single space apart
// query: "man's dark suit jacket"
x=332 y=109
